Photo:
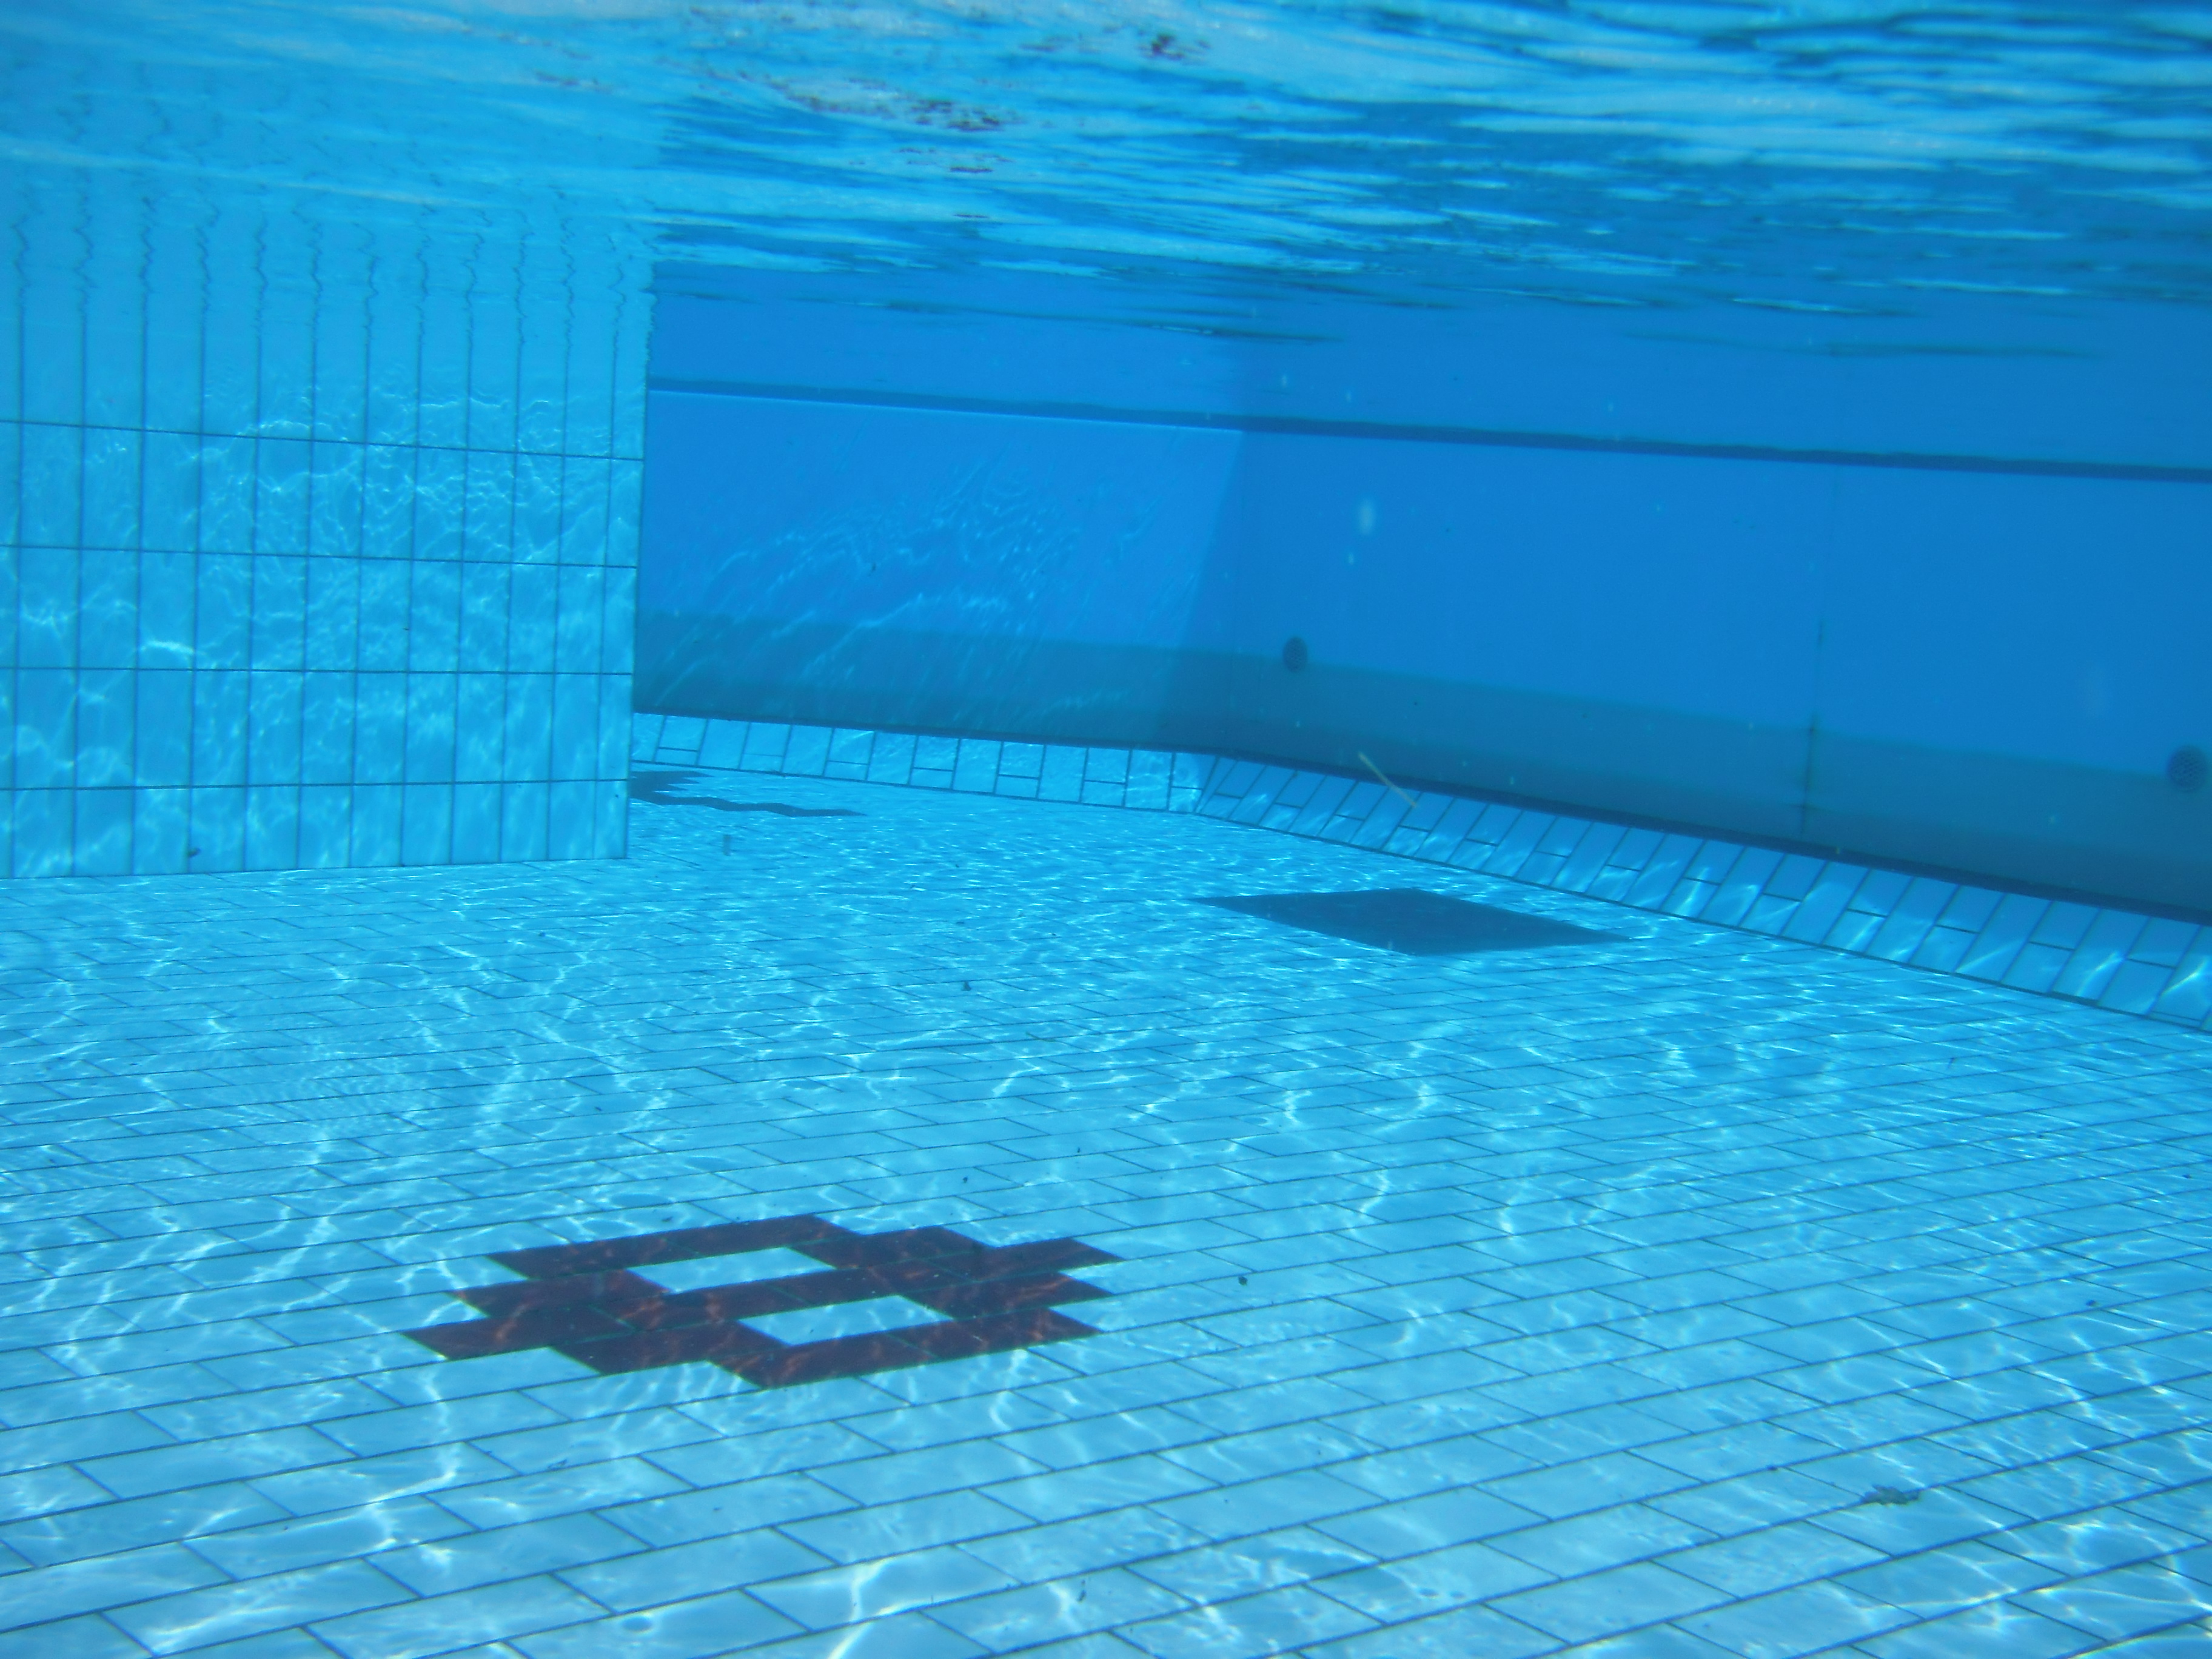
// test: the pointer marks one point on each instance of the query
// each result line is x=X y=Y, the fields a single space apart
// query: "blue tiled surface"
x=2115 y=958
x=1578 y=1302
x=318 y=519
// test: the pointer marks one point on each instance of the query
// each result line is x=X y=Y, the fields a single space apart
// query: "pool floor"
x=1132 y=1274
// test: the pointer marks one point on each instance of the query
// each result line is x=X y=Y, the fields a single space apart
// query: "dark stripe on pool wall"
x=1480 y=437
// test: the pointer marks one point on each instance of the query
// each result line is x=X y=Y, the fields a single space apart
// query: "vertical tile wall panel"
x=318 y=527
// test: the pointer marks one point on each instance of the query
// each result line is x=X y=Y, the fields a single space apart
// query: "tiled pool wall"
x=2118 y=959
x=317 y=523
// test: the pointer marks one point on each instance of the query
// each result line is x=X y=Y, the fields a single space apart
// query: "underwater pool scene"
x=1105 y=828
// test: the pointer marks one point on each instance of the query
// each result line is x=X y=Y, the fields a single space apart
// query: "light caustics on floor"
x=1714 y=1292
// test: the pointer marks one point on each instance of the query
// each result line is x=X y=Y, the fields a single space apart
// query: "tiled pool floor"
x=1686 y=1294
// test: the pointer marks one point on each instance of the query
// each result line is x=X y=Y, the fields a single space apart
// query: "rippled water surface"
x=1846 y=155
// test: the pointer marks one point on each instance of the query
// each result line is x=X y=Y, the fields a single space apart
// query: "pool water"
x=494 y=1162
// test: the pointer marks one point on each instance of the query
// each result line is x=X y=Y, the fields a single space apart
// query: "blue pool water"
x=911 y=830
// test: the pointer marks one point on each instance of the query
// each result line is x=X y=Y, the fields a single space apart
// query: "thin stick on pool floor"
x=1385 y=781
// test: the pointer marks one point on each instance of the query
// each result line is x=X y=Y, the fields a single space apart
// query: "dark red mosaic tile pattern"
x=583 y=1301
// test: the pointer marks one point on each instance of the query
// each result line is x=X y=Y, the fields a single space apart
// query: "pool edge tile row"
x=2114 y=958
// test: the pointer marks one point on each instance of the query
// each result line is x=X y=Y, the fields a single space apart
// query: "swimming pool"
x=938 y=829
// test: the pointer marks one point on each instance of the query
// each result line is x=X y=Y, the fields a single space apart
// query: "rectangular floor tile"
x=1464 y=1304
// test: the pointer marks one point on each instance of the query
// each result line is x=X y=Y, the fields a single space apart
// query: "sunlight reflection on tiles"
x=882 y=1313
x=710 y=1271
x=1710 y=1259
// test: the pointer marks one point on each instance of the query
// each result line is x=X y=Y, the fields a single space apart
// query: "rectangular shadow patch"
x=1413 y=922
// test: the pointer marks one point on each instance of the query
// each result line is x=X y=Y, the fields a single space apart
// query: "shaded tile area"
x=1413 y=920
x=678 y=789
x=1688 y=1292
x=586 y=1301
